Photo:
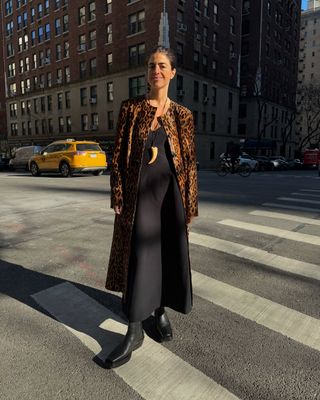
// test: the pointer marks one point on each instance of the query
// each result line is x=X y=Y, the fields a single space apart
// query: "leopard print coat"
x=133 y=128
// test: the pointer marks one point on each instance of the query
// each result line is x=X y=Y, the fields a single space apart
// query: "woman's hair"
x=167 y=52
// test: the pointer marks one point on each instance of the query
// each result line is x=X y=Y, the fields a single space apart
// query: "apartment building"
x=308 y=98
x=269 y=62
x=68 y=65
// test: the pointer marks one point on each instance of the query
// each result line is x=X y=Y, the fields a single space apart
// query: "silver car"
x=22 y=156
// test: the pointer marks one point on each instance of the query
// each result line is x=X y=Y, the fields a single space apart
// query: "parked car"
x=264 y=163
x=4 y=163
x=295 y=163
x=279 y=162
x=247 y=159
x=22 y=156
x=69 y=156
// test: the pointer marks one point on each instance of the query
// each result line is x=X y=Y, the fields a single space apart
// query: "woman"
x=154 y=196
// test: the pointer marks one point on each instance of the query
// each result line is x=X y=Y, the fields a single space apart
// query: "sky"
x=304 y=4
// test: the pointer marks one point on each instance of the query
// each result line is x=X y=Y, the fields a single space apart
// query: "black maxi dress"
x=159 y=267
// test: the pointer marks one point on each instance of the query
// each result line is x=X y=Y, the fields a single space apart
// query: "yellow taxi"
x=69 y=156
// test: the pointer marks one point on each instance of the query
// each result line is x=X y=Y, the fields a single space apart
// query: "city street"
x=253 y=333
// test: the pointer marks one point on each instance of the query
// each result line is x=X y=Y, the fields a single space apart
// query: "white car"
x=247 y=159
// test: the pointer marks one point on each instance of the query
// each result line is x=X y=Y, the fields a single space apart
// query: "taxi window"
x=88 y=147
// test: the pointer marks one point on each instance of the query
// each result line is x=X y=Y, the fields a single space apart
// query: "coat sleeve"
x=118 y=160
x=189 y=156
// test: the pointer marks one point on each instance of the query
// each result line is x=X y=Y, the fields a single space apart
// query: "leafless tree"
x=310 y=111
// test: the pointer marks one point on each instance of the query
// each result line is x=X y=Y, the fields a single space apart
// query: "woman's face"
x=160 y=71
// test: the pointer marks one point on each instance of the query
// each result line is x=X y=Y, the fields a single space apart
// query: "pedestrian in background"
x=154 y=196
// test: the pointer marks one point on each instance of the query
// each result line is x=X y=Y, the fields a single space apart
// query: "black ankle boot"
x=132 y=341
x=163 y=324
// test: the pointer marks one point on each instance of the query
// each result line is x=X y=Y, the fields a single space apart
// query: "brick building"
x=68 y=66
x=269 y=61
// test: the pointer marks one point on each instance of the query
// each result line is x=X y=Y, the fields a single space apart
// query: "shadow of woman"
x=91 y=314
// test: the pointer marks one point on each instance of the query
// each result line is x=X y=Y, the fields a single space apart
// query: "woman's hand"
x=117 y=209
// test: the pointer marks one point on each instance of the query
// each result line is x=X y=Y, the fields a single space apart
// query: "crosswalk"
x=158 y=372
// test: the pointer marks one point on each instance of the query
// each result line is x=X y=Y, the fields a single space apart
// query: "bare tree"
x=287 y=131
x=310 y=110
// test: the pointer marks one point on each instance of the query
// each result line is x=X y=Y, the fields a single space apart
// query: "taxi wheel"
x=34 y=169
x=65 y=169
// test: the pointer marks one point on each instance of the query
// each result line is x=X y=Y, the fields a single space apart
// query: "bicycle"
x=225 y=167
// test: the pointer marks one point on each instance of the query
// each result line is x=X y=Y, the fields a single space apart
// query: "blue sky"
x=304 y=4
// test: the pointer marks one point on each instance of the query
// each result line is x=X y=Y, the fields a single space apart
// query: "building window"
x=92 y=11
x=49 y=103
x=82 y=15
x=205 y=36
x=206 y=8
x=109 y=91
x=232 y=25
x=195 y=118
x=136 y=22
x=215 y=13
x=180 y=53
x=40 y=11
x=61 y=124
x=93 y=66
x=110 y=120
x=83 y=96
x=93 y=94
x=29 y=128
x=136 y=55
x=137 y=86
x=109 y=61
x=50 y=125
x=204 y=121
x=84 y=122
x=68 y=123
x=230 y=100
x=67 y=75
x=59 y=101
x=47 y=34
x=67 y=99
x=49 y=79
x=65 y=23
x=42 y=104
x=195 y=90
x=94 y=121
x=109 y=33
x=57 y=26
x=196 y=56
x=92 y=39
x=83 y=69
x=66 y=48
x=58 y=52
x=213 y=122
x=108 y=6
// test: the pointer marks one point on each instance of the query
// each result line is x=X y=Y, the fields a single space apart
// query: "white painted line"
x=281 y=319
x=288 y=217
x=306 y=194
x=267 y=230
x=154 y=372
x=281 y=263
x=299 y=200
x=291 y=207
x=310 y=190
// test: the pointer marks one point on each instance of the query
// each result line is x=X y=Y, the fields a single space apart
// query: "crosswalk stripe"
x=306 y=194
x=259 y=256
x=295 y=218
x=293 y=324
x=298 y=200
x=300 y=237
x=310 y=190
x=291 y=207
x=155 y=372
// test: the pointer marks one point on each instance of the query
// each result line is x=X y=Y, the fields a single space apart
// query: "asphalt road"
x=254 y=332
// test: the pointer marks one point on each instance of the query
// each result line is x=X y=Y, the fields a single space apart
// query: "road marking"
x=310 y=190
x=281 y=319
x=298 y=200
x=259 y=256
x=306 y=194
x=300 y=237
x=295 y=218
x=154 y=372
x=291 y=207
